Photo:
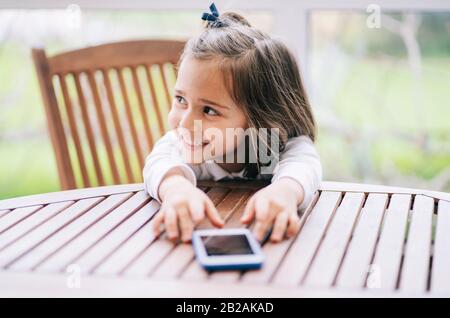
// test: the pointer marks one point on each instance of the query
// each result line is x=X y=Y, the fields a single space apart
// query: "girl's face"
x=202 y=108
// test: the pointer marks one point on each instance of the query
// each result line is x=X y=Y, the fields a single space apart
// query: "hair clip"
x=212 y=18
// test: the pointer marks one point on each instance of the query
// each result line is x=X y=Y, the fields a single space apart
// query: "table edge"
x=77 y=194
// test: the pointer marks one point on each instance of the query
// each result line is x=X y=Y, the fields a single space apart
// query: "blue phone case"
x=228 y=262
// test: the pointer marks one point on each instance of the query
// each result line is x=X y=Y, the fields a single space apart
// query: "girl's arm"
x=300 y=162
x=162 y=162
x=295 y=178
x=173 y=184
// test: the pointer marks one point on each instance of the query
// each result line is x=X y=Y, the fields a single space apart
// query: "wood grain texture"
x=366 y=244
x=296 y=262
x=440 y=273
x=388 y=256
x=416 y=263
x=356 y=265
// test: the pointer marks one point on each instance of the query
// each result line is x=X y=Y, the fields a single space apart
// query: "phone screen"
x=227 y=245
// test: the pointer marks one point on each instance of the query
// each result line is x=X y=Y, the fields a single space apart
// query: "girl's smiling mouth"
x=193 y=145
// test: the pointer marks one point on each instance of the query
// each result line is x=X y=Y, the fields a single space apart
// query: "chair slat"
x=356 y=265
x=416 y=264
x=51 y=245
x=73 y=130
x=102 y=59
x=103 y=127
x=302 y=251
x=129 y=116
x=75 y=248
x=22 y=228
x=325 y=266
x=88 y=129
x=276 y=251
x=118 y=127
x=155 y=103
x=54 y=123
x=143 y=112
x=165 y=85
x=41 y=233
x=440 y=275
x=388 y=255
x=117 y=54
x=16 y=215
x=105 y=247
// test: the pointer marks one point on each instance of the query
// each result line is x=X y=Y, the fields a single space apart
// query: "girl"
x=233 y=76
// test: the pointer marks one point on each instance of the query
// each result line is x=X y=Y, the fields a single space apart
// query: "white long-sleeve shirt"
x=299 y=161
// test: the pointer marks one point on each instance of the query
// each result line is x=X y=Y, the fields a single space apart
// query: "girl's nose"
x=190 y=121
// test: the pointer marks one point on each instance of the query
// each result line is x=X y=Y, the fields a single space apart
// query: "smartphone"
x=227 y=249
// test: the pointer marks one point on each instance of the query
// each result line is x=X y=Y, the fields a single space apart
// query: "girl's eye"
x=180 y=99
x=210 y=111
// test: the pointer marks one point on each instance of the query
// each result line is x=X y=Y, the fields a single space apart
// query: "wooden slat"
x=361 y=249
x=51 y=245
x=130 y=119
x=103 y=128
x=4 y=212
x=75 y=248
x=125 y=254
x=388 y=255
x=117 y=54
x=70 y=195
x=17 y=215
x=231 y=276
x=165 y=86
x=178 y=259
x=54 y=120
x=375 y=188
x=39 y=234
x=440 y=275
x=105 y=247
x=88 y=129
x=156 y=252
x=30 y=223
x=275 y=252
x=325 y=265
x=128 y=251
x=117 y=126
x=151 y=257
x=416 y=264
x=74 y=130
x=51 y=285
x=302 y=251
x=143 y=111
x=155 y=103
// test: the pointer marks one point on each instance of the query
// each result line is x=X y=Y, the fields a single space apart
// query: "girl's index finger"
x=249 y=211
x=213 y=214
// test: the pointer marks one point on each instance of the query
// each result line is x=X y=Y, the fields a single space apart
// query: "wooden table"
x=356 y=240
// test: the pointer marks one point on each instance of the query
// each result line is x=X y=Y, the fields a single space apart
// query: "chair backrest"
x=106 y=106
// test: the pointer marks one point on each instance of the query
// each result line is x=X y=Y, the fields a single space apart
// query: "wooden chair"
x=106 y=106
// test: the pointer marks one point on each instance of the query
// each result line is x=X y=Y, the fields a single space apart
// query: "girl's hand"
x=183 y=207
x=275 y=204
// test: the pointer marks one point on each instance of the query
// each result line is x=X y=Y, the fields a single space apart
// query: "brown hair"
x=262 y=76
